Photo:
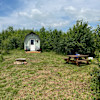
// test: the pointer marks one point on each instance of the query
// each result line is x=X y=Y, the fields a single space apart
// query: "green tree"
x=80 y=39
x=43 y=38
x=97 y=37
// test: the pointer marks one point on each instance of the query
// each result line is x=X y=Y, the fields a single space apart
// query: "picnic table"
x=77 y=59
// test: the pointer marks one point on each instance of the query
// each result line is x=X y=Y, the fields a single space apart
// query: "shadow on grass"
x=80 y=64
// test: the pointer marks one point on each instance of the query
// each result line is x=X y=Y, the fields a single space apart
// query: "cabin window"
x=32 y=42
x=37 y=40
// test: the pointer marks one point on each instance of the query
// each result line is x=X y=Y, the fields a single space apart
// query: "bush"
x=4 y=52
x=95 y=82
x=80 y=39
x=1 y=58
x=97 y=55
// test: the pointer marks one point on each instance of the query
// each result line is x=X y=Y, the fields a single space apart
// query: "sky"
x=59 y=14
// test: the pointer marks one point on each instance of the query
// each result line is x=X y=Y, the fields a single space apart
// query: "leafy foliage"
x=12 y=39
x=97 y=37
x=80 y=38
x=95 y=82
x=1 y=58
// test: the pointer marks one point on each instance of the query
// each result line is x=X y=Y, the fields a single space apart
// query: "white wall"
x=27 y=41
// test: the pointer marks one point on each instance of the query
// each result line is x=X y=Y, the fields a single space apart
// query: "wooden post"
x=77 y=62
x=68 y=60
x=87 y=60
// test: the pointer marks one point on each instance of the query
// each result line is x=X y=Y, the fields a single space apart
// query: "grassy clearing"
x=46 y=76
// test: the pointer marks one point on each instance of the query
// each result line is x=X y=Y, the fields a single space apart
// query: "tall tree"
x=80 y=39
x=97 y=37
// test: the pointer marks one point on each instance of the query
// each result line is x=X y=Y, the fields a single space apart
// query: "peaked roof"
x=30 y=34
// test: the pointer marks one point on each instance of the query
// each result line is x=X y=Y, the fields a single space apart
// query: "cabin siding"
x=31 y=37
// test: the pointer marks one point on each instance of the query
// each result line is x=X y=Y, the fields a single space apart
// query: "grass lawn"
x=46 y=76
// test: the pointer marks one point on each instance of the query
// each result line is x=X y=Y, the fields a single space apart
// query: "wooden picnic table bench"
x=77 y=59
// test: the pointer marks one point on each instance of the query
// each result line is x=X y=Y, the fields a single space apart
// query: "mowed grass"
x=45 y=76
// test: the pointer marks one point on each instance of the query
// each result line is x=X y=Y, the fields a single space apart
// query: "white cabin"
x=32 y=42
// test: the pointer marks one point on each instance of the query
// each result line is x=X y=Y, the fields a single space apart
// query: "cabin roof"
x=30 y=34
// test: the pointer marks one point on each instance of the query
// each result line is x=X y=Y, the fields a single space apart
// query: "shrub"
x=95 y=82
x=1 y=58
x=80 y=39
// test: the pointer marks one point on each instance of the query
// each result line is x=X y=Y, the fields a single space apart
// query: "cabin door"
x=32 y=45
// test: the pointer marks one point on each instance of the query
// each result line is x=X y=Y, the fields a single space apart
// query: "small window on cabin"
x=37 y=40
x=32 y=42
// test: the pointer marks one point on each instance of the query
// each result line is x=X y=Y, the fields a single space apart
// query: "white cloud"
x=52 y=13
x=70 y=8
x=86 y=14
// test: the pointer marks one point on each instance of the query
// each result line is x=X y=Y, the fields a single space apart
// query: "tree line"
x=80 y=38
